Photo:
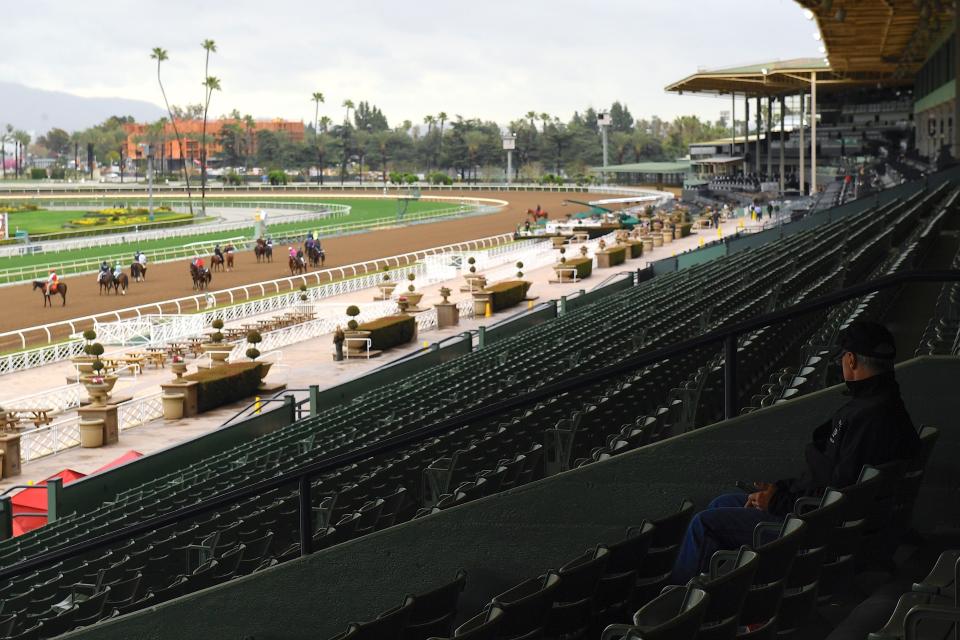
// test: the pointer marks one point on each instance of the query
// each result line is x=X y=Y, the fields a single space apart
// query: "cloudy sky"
x=495 y=59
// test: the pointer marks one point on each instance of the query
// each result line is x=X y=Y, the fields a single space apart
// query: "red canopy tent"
x=35 y=500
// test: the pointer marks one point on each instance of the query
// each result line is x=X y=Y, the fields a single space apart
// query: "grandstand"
x=453 y=493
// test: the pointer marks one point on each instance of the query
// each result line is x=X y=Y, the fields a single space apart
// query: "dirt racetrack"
x=23 y=307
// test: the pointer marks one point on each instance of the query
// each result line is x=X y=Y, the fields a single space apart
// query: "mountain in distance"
x=39 y=110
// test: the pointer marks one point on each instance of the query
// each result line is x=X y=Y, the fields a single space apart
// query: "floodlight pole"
x=803 y=151
x=813 y=133
x=769 y=137
x=783 y=110
x=604 y=121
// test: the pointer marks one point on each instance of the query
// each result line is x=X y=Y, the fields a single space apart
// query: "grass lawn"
x=362 y=210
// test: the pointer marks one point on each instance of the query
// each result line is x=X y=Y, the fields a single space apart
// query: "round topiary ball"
x=353 y=311
x=253 y=337
x=89 y=335
x=303 y=287
x=352 y=325
x=94 y=349
x=519 y=265
x=253 y=353
x=411 y=277
x=217 y=324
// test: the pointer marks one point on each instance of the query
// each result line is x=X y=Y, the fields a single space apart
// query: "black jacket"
x=872 y=428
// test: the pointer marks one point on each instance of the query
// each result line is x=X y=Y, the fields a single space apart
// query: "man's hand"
x=760 y=499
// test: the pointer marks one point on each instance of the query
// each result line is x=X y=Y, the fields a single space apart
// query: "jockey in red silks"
x=52 y=281
x=199 y=264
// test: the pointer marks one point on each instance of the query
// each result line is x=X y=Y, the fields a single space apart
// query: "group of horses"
x=217 y=262
x=309 y=257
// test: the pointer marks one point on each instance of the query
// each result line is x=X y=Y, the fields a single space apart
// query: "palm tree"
x=473 y=140
x=4 y=139
x=22 y=138
x=532 y=117
x=348 y=104
x=429 y=120
x=325 y=123
x=210 y=47
x=317 y=99
x=545 y=118
x=160 y=55
x=211 y=84
x=249 y=123
x=442 y=117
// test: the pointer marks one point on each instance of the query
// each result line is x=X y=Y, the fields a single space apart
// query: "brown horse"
x=297 y=266
x=216 y=263
x=138 y=272
x=263 y=251
x=61 y=289
x=201 y=279
x=120 y=284
x=228 y=253
x=105 y=280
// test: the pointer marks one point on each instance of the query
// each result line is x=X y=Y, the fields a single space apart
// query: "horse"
x=296 y=266
x=216 y=263
x=138 y=272
x=105 y=280
x=316 y=255
x=228 y=252
x=263 y=251
x=535 y=214
x=61 y=289
x=201 y=279
x=120 y=284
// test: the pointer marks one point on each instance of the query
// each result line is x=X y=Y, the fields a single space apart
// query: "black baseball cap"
x=870 y=339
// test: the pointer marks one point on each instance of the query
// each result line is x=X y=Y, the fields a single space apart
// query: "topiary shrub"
x=584 y=266
x=254 y=338
x=216 y=336
x=94 y=349
x=303 y=293
x=617 y=255
x=519 y=269
x=507 y=294
x=353 y=311
x=89 y=335
x=411 y=277
x=472 y=261
x=390 y=331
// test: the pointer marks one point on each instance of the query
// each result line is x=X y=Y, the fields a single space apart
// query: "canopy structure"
x=681 y=166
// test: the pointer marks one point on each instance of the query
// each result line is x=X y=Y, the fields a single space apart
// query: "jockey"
x=117 y=270
x=217 y=251
x=142 y=259
x=292 y=252
x=199 y=263
x=270 y=242
x=104 y=269
x=309 y=242
x=52 y=281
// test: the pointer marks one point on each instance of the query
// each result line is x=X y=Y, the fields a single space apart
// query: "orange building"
x=192 y=130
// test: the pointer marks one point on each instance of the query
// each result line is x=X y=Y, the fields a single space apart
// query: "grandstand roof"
x=770 y=78
x=887 y=38
x=680 y=166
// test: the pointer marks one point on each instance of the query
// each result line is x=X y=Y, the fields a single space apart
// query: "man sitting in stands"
x=873 y=427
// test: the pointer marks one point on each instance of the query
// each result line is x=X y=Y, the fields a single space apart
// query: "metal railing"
x=303 y=476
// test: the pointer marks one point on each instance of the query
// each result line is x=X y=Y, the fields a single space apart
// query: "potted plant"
x=97 y=388
x=254 y=338
x=179 y=367
x=387 y=286
x=474 y=279
x=218 y=350
x=413 y=296
x=354 y=337
x=84 y=363
x=519 y=270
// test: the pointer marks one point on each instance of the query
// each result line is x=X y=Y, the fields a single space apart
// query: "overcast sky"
x=494 y=60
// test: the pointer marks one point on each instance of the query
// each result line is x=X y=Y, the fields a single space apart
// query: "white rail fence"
x=39 y=357
x=140 y=411
x=56 y=400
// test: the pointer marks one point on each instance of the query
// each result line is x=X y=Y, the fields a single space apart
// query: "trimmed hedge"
x=584 y=266
x=636 y=248
x=507 y=294
x=390 y=331
x=618 y=255
x=685 y=229
x=225 y=384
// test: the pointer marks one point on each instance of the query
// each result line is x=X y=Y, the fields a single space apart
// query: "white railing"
x=151 y=329
x=198 y=303
x=140 y=411
x=50 y=439
x=56 y=400
x=41 y=356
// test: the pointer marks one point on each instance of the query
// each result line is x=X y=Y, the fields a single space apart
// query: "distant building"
x=191 y=131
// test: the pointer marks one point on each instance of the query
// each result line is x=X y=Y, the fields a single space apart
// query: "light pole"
x=509 y=144
x=604 y=121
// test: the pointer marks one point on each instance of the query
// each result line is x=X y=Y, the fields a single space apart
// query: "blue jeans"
x=725 y=524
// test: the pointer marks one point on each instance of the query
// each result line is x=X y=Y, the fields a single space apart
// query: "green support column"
x=314 y=399
x=563 y=306
x=6 y=518
x=481 y=337
x=469 y=339
x=54 y=497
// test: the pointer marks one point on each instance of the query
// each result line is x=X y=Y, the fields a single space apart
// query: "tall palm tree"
x=442 y=117
x=429 y=120
x=532 y=117
x=325 y=123
x=249 y=123
x=160 y=55
x=211 y=84
x=545 y=118
x=210 y=47
x=317 y=98
x=4 y=139
x=22 y=138
x=348 y=104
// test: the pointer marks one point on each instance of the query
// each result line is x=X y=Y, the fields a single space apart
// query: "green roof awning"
x=680 y=166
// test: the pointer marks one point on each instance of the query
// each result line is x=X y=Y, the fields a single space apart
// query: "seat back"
x=674 y=615
x=775 y=561
x=579 y=577
x=822 y=520
x=728 y=588
x=667 y=535
x=630 y=553
x=483 y=626
x=526 y=606
x=388 y=625
x=433 y=611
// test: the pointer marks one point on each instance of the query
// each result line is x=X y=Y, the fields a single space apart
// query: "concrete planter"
x=178 y=368
x=667 y=237
x=91 y=434
x=172 y=406
x=218 y=352
x=356 y=347
x=97 y=392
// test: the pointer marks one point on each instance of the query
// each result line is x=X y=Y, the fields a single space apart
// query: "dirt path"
x=23 y=307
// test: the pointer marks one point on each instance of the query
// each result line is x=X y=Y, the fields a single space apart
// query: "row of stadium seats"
x=470 y=462
x=768 y=589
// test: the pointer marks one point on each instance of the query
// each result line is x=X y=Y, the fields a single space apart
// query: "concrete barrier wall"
x=518 y=534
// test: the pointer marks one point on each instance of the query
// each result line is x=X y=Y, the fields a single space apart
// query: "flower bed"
x=507 y=294
x=636 y=248
x=615 y=255
x=390 y=331
x=225 y=384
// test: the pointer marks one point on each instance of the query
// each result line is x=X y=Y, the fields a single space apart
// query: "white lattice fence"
x=140 y=411
x=41 y=356
x=57 y=400
x=50 y=439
